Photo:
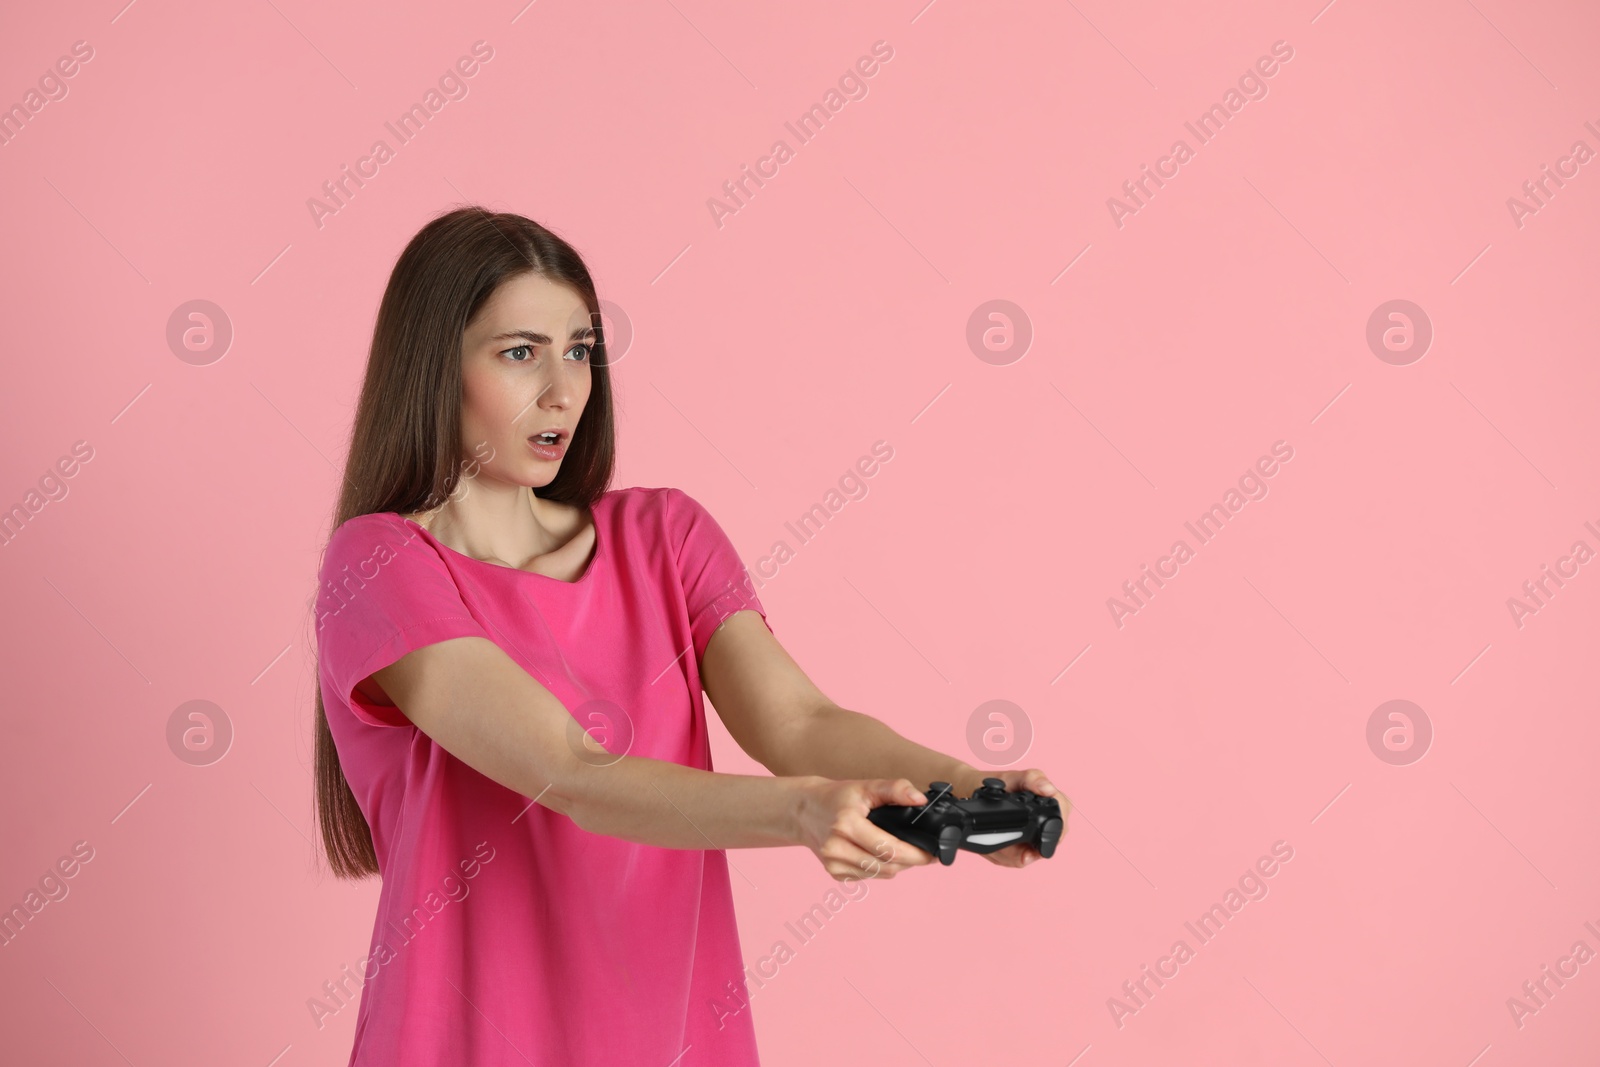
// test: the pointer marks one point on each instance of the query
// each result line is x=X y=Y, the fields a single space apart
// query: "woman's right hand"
x=833 y=823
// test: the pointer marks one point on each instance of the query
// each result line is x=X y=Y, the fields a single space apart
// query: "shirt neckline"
x=588 y=570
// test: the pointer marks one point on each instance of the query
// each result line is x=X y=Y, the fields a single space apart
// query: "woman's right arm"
x=483 y=708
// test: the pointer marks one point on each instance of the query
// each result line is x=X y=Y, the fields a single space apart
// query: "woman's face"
x=524 y=369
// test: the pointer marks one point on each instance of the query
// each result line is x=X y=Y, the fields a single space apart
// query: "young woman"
x=510 y=728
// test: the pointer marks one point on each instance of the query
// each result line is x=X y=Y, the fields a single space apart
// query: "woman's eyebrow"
x=533 y=337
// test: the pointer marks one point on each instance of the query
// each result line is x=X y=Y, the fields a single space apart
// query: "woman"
x=510 y=727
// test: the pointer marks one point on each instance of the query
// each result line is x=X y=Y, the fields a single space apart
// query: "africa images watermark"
x=1537 y=192
x=852 y=85
x=1252 y=885
x=53 y=889
x=340 y=993
x=1252 y=85
x=806 y=927
x=852 y=485
x=1537 y=992
x=1537 y=592
x=1252 y=485
x=52 y=86
x=452 y=85
x=52 y=487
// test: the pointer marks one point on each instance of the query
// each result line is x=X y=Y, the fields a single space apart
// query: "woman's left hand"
x=1034 y=781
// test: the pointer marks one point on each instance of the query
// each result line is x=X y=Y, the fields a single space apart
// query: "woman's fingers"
x=1014 y=856
x=879 y=791
x=901 y=854
x=847 y=861
x=1034 y=781
x=861 y=850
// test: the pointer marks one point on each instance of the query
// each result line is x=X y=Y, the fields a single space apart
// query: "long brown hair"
x=406 y=451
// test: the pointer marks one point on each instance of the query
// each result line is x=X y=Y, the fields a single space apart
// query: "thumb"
x=894 y=791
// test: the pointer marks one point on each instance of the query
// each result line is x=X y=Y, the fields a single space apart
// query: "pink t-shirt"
x=506 y=934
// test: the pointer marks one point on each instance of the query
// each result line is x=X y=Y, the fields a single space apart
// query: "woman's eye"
x=586 y=349
x=510 y=352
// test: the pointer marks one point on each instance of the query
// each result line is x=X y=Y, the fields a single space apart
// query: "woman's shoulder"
x=384 y=534
x=377 y=572
x=659 y=508
x=387 y=518
x=638 y=501
x=370 y=523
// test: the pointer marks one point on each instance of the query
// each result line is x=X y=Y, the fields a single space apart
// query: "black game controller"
x=989 y=820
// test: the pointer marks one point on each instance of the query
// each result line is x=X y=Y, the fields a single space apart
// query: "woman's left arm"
x=784 y=722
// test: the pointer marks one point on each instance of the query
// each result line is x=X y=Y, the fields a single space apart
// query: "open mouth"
x=549 y=445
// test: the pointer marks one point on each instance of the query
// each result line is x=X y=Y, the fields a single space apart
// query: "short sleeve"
x=382 y=591
x=715 y=582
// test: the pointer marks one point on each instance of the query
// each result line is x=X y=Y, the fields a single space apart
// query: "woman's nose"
x=558 y=387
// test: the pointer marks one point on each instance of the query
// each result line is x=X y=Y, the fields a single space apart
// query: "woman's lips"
x=548 y=452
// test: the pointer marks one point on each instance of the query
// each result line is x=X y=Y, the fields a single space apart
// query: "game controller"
x=989 y=820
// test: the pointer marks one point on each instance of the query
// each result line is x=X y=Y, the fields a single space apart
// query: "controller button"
x=1049 y=836
x=949 y=842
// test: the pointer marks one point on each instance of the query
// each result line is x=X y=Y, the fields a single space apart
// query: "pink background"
x=769 y=353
